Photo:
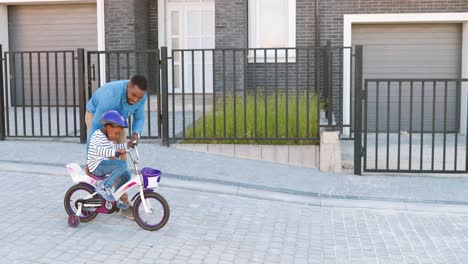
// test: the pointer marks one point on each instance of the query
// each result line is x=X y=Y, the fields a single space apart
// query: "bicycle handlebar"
x=136 y=153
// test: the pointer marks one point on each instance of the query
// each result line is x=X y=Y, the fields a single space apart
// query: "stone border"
x=305 y=156
x=326 y=157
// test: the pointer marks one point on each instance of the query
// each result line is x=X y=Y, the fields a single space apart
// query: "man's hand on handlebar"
x=131 y=144
x=134 y=138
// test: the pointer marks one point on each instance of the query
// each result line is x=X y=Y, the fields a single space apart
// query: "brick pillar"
x=231 y=31
x=132 y=25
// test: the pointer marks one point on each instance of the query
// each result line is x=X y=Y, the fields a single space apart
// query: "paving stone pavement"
x=253 y=174
x=218 y=228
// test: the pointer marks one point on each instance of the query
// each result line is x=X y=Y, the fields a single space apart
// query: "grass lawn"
x=294 y=115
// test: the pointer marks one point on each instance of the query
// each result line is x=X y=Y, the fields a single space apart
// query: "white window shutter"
x=272 y=24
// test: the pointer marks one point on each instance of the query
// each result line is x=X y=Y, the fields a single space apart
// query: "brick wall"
x=120 y=24
x=131 y=25
x=231 y=23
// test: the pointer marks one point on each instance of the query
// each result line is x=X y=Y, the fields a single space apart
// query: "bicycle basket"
x=151 y=177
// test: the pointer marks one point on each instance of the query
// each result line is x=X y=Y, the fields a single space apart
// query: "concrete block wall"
x=305 y=156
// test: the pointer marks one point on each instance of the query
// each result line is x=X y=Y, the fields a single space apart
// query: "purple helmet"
x=113 y=117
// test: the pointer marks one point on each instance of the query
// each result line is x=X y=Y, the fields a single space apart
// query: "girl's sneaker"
x=104 y=192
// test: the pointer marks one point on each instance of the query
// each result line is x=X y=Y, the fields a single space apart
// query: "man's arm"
x=92 y=104
x=139 y=118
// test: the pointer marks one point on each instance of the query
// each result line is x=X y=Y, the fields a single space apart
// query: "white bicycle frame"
x=78 y=175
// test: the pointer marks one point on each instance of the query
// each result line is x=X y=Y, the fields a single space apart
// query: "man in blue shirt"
x=128 y=97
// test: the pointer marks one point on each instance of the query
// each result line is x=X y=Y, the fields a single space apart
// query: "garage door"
x=411 y=51
x=46 y=28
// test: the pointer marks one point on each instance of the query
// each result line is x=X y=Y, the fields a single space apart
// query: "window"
x=272 y=24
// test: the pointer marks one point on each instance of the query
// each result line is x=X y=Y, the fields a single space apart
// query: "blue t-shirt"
x=113 y=96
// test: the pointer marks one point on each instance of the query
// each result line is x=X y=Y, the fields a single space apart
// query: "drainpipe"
x=317 y=46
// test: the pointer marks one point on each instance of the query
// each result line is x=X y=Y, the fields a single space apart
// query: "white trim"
x=101 y=28
x=42 y=2
x=101 y=37
x=464 y=74
x=349 y=20
x=4 y=40
x=184 y=36
x=162 y=23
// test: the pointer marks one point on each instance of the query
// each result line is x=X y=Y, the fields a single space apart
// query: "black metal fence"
x=228 y=102
x=226 y=95
x=257 y=95
x=108 y=66
x=40 y=95
x=414 y=125
x=336 y=82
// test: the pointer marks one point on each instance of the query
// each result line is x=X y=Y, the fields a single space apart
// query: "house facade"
x=389 y=29
x=401 y=39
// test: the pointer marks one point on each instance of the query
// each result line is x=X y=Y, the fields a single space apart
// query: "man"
x=128 y=97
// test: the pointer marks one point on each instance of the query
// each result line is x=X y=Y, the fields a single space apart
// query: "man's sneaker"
x=104 y=192
x=127 y=213
x=122 y=205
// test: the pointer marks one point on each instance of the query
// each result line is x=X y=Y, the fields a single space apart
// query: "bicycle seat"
x=96 y=177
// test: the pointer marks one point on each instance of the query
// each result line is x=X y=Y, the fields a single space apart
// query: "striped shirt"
x=101 y=148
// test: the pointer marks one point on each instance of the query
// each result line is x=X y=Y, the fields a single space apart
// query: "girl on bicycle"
x=101 y=148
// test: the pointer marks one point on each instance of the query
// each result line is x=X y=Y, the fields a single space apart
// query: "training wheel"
x=73 y=221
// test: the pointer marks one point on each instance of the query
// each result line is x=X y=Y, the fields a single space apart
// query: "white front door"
x=190 y=25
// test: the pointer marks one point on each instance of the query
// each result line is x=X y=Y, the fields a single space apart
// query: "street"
x=218 y=228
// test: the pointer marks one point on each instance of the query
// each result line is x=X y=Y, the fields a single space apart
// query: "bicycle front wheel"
x=158 y=216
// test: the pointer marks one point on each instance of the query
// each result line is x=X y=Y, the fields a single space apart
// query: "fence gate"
x=414 y=125
x=107 y=66
x=40 y=94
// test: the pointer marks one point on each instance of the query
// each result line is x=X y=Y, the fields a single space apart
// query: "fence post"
x=164 y=88
x=358 y=151
x=328 y=83
x=2 y=98
x=158 y=90
x=82 y=95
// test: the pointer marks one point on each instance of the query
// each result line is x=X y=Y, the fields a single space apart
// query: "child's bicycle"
x=83 y=203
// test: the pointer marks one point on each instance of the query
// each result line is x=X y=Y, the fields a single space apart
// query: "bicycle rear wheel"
x=75 y=193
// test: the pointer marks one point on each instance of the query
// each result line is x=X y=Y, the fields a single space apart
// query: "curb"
x=309 y=199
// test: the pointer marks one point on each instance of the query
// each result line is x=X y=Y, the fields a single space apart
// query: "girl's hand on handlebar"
x=120 y=152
